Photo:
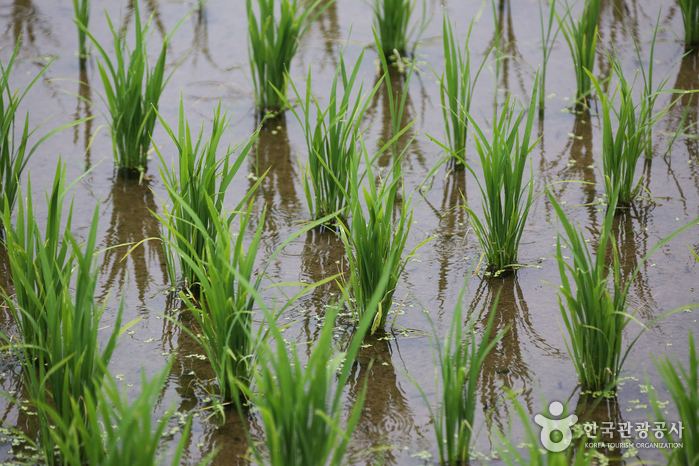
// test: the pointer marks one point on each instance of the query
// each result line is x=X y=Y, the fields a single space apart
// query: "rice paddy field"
x=530 y=363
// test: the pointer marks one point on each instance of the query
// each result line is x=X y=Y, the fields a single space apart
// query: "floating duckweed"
x=423 y=455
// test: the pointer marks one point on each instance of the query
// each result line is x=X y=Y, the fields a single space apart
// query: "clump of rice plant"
x=273 y=37
x=202 y=175
x=459 y=360
x=396 y=106
x=132 y=89
x=506 y=199
x=65 y=363
x=581 y=36
x=683 y=385
x=14 y=149
x=330 y=141
x=690 y=17
x=374 y=242
x=648 y=94
x=456 y=85
x=116 y=431
x=623 y=146
x=621 y=151
x=392 y=22
x=82 y=16
x=547 y=47
x=224 y=274
x=40 y=265
x=594 y=316
x=300 y=402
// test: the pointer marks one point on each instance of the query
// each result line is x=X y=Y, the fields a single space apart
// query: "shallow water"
x=531 y=360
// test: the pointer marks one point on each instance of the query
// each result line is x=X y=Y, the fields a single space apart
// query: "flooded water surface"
x=209 y=61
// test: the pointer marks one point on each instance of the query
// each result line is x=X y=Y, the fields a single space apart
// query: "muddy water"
x=531 y=360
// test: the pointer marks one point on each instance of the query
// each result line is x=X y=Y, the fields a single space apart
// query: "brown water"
x=531 y=360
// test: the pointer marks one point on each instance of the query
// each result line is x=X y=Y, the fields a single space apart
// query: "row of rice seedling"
x=216 y=269
x=272 y=45
x=224 y=275
x=300 y=406
x=57 y=343
x=39 y=264
x=273 y=38
x=374 y=243
x=198 y=234
x=227 y=292
x=594 y=317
